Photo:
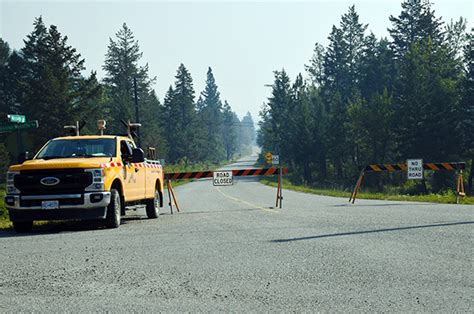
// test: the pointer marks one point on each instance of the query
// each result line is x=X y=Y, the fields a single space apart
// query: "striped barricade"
x=450 y=166
x=446 y=166
x=236 y=173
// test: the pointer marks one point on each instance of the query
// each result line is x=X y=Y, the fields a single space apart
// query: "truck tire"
x=153 y=206
x=112 y=218
x=22 y=226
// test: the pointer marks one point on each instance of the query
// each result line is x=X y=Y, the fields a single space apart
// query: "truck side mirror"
x=24 y=157
x=138 y=155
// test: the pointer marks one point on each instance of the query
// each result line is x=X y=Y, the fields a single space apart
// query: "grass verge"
x=4 y=219
x=448 y=198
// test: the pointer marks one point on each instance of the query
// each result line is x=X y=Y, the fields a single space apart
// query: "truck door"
x=134 y=177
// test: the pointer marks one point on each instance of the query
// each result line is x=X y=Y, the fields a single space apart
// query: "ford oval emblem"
x=49 y=181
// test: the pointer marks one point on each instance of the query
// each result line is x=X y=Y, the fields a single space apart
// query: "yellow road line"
x=247 y=203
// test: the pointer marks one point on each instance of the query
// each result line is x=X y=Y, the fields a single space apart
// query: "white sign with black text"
x=275 y=159
x=222 y=178
x=415 y=169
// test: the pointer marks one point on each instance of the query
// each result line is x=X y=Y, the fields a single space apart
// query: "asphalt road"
x=228 y=250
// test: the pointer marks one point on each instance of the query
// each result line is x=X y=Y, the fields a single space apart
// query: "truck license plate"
x=49 y=204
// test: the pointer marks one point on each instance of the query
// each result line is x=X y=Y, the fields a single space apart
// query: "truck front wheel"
x=112 y=218
x=22 y=226
x=153 y=206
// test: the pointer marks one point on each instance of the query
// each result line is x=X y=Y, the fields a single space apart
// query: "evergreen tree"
x=274 y=114
x=415 y=23
x=371 y=122
x=12 y=83
x=467 y=112
x=121 y=69
x=172 y=131
x=230 y=135
x=315 y=68
x=54 y=90
x=181 y=121
x=377 y=69
x=353 y=44
x=457 y=38
x=210 y=119
x=298 y=140
x=4 y=56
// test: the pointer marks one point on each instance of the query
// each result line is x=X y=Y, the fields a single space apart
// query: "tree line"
x=368 y=100
x=45 y=81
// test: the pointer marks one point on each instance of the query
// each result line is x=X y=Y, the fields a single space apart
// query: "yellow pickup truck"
x=83 y=178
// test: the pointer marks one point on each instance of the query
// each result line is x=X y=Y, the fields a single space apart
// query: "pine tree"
x=353 y=43
x=315 y=68
x=337 y=134
x=299 y=141
x=274 y=114
x=230 y=135
x=12 y=84
x=467 y=108
x=377 y=69
x=211 y=119
x=371 y=122
x=4 y=56
x=54 y=90
x=180 y=119
x=172 y=131
x=457 y=38
x=121 y=68
x=415 y=23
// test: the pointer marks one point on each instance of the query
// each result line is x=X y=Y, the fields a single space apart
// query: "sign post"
x=415 y=169
x=279 y=197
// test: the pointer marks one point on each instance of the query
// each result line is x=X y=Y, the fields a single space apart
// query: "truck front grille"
x=71 y=181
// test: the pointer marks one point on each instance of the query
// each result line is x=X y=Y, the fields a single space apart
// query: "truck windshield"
x=104 y=147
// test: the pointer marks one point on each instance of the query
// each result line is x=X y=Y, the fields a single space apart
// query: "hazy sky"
x=243 y=41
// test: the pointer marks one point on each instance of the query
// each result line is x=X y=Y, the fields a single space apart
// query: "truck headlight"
x=11 y=189
x=97 y=179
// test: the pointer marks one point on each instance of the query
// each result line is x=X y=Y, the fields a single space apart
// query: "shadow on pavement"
x=371 y=231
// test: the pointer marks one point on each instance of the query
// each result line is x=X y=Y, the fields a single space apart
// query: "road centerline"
x=245 y=202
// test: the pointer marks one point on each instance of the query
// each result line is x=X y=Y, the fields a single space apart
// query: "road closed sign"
x=415 y=169
x=223 y=178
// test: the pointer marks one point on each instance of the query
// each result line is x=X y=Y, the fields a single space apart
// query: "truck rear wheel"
x=112 y=218
x=22 y=226
x=153 y=206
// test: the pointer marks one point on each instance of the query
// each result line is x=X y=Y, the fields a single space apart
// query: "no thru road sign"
x=415 y=169
x=222 y=178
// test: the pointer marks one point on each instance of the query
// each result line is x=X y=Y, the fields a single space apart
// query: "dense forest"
x=45 y=81
x=362 y=100
x=370 y=100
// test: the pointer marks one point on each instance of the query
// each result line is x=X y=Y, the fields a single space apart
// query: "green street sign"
x=16 y=118
x=10 y=127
